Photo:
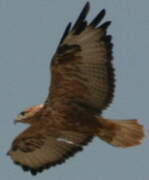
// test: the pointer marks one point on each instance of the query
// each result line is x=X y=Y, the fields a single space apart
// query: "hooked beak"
x=18 y=119
x=15 y=121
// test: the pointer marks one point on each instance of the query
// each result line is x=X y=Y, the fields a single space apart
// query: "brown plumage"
x=82 y=87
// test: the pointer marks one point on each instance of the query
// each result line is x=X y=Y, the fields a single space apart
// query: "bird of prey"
x=82 y=87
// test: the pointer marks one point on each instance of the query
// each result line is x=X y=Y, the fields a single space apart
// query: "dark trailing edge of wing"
x=111 y=77
x=71 y=153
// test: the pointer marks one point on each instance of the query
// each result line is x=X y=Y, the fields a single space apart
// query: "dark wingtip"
x=65 y=32
x=87 y=5
x=82 y=16
x=105 y=25
x=103 y=11
x=79 y=25
x=98 y=18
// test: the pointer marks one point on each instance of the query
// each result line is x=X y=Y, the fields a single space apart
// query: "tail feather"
x=121 y=133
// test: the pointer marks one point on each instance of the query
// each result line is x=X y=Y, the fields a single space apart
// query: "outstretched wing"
x=37 y=149
x=81 y=68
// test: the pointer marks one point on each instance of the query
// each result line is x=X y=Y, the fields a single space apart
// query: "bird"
x=82 y=87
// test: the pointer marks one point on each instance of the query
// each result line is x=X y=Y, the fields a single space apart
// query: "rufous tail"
x=120 y=133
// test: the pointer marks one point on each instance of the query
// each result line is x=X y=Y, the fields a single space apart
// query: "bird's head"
x=28 y=114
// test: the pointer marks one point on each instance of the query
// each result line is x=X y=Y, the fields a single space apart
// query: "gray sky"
x=29 y=33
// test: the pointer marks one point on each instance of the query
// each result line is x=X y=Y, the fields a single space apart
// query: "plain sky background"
x=29 y=33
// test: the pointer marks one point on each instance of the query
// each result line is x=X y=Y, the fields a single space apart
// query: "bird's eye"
x=23 y=113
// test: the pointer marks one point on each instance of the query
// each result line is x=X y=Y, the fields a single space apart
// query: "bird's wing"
x=81 y=68
x=37 y=149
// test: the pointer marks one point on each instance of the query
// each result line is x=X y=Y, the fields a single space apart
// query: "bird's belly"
x=83 y=125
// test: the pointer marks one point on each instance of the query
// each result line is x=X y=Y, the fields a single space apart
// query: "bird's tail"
x=120 y=133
